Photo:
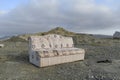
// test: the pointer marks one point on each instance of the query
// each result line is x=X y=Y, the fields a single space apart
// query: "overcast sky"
x=83 y=16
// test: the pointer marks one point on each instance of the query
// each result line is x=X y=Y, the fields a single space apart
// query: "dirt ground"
x=14 y=64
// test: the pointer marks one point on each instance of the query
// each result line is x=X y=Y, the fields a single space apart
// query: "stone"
x=1 y=45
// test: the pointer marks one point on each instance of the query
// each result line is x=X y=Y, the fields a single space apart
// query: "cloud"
x=3 y=12
x=75 y=15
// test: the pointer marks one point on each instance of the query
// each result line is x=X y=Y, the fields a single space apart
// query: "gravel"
x=14 y=64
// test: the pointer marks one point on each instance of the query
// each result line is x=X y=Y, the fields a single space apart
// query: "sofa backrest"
x=50 y=41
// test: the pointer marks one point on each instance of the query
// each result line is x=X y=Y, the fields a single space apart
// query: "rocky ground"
x=14 y=64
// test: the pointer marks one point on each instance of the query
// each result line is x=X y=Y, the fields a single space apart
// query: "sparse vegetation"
x=16 y=39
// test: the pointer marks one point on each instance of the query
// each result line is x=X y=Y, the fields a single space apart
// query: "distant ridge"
x=5 y=38
x=102 y=36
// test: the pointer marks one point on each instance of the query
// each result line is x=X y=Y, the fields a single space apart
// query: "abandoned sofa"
x=53 y=49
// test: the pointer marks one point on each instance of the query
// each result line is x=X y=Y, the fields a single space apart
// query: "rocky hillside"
x=116 y=35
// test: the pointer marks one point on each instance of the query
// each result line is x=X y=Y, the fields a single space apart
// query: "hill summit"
x=58 y=30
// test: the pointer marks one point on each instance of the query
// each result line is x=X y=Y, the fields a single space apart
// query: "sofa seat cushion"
x=59 y=52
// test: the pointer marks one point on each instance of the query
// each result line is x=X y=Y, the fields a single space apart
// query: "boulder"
x=116 y=35
x=1 y=45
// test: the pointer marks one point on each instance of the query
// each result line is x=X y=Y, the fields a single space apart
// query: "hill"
x=57 y=30
x=77 y=37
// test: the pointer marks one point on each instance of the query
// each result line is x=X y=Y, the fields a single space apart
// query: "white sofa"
x=53 y=49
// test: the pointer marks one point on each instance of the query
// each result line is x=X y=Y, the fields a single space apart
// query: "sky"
x=81 y=16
